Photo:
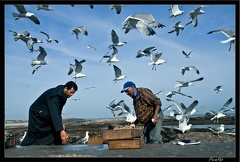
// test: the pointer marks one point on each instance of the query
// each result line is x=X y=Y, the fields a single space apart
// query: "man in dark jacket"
x=147 y=107
x=45 y=121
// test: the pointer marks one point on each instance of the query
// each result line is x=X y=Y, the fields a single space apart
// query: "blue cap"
x=127 y=85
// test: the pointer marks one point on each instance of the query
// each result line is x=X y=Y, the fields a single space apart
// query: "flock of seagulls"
x=144 y=23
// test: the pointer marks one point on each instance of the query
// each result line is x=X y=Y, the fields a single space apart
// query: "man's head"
x=129 y=88
x=70 y=88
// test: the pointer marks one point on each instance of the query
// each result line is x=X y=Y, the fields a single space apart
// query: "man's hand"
x=132 y=125
x=64 y=136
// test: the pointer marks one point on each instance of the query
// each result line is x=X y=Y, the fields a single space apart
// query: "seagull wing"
x=199 y=79
x=229 y=101
x=179 y=105
x=115 y=38
x=210 y=111
x=118 y=71
x=45 y=34
x=195 y=69
x=42 y=54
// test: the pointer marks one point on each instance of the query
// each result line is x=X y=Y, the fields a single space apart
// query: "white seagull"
x=23 y=35
x=118 y=7
x=142 y=22
x=178 y=27
x=187 y=55
x=84 y=139
x=156 y=60
x=228 y=33
x=175 y=11
x=49 y=39
x=23 y=13
x=112 y=58
x=217 y=130
x=183 y=125
x=89 y=46
x=118 y=74
x=185 y=112
x=27 y=38
x=218 y=88
x=189 y=68
x=181 y=84
x=146 y=52
x=159 y=92
x=193 y=14
x=171 y=93
x=44 y=7
x=40 y=58
x=77 y=68
x=130 y=116
x=221 y=112
x=114 y=107
x=80 y=29
x=115 y=40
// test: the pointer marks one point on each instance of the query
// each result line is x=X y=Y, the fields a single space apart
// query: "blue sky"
x=215 y=63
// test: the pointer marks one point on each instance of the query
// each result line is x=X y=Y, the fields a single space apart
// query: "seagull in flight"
x=221 y=112
x=156 y=60
x=171 y=93
x=175 y=11
x=49 y=39
x=189 y=68
x=228 y=33
x=114 y=107
x=78 y=30
x=118 y=74
x=218 y=88
x=77 y=69
x=76 y=99
x=143 y=22
x=44 y=7
x=187 y=55
x=40 y=58
x=159 y=92
x=217 y=130
x=178 y=27
x=181 y=84
x=130 y=116
x=89 y=88
x=23 y=13
x=36 y=69
x=89 y=46
x=183 y=125
x=112 y=58
x=146 y=52
x=185 y=112
x=115 y=40
x=118 y=7
x=193 y=14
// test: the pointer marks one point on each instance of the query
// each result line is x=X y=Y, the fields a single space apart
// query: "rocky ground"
x=76 y=128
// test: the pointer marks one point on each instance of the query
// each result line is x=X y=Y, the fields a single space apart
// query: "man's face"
x=69 y=92
x=130 y=91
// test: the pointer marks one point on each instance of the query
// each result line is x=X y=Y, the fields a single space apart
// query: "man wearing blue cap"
x=147 y=107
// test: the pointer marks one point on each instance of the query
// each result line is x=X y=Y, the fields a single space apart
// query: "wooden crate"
x=95 y=140
x=119 y=134
x=135 y=143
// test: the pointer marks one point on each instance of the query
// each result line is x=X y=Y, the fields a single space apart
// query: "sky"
x=217 y=65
